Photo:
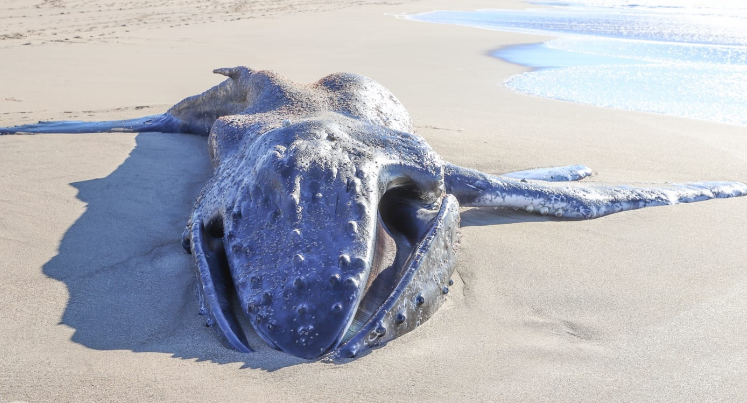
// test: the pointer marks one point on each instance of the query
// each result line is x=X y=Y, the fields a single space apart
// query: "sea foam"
x=684 y=58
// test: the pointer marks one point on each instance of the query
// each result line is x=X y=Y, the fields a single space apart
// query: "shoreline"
x=619 y=66
x=644 y=305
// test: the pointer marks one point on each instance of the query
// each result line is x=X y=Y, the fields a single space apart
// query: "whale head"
x=313 y=232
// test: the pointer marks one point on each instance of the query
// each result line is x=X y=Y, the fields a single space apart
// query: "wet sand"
x=97 y=294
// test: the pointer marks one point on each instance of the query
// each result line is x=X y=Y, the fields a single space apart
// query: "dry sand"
x=97 y=296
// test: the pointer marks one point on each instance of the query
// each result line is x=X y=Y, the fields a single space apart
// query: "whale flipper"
x=194 y=115
x=155 y=123
x=476 y=189
x=554 y=174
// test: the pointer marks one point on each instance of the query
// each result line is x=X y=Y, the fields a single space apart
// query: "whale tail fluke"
x=155 y=123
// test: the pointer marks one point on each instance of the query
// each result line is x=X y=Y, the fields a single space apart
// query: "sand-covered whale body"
x=328 y=225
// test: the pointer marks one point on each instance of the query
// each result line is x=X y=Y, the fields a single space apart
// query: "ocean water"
x=682 y=58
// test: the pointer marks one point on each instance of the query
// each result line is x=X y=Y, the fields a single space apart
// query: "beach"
x=98 y=299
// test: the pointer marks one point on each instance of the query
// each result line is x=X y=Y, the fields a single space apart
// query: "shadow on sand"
x=481 y=216
x=131 y=285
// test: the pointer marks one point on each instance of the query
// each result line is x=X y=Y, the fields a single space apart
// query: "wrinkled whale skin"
x=327 y=223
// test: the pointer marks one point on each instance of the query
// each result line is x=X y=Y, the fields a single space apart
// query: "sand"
x=97 y=294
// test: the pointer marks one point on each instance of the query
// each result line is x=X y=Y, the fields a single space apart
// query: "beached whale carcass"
x=327 y=223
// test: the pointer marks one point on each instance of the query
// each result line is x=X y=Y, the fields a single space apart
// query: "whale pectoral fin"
x=574 y=200
x=215 y=286
x=554 y=174
x=156 y=123
x=195 y=114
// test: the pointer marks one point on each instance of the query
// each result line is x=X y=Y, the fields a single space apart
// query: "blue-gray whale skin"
x=327 y=223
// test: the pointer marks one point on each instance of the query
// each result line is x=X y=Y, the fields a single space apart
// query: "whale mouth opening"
x=404 y=218
x=216 y=290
